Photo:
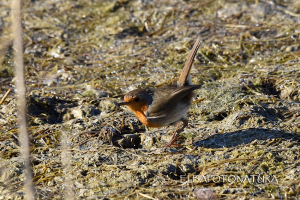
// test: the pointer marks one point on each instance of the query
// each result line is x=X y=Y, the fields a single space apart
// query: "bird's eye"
x=137 y=99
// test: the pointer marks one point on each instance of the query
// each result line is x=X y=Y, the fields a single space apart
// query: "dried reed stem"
x=21 y=96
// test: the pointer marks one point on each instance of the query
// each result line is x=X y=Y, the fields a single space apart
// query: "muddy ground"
x=81 y=57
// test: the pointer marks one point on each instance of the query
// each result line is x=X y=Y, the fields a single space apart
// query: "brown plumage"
x=158 y=107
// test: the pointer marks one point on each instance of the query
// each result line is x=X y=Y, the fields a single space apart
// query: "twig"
x=21 y=96
x=4 y=97
x=66 y=159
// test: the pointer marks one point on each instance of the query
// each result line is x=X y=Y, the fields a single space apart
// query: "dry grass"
x=80 y=57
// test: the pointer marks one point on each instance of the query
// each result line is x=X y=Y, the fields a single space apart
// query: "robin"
x=158 y=107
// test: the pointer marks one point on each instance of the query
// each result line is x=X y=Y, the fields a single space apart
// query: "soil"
x=81 y=57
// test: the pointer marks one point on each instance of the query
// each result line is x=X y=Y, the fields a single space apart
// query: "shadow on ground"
x=242 y=137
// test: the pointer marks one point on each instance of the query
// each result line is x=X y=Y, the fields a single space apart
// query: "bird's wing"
x=168 y=99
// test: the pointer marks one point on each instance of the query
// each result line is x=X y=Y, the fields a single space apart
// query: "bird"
x=164 y=106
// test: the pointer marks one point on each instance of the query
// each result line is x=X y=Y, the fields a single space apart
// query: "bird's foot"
x=171 y=143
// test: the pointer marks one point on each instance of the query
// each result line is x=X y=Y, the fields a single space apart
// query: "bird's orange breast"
x=139 y=109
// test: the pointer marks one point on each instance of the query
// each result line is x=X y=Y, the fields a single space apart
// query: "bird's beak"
x=122 y=103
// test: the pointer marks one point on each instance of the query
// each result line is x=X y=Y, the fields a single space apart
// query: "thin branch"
x=21 y=96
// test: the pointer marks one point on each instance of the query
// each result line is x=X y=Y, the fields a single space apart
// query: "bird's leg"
x=174 y=136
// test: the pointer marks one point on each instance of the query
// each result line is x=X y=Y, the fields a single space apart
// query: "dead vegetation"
x=80 y=57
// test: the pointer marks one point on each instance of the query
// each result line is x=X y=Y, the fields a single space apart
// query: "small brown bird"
x=158 y=107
